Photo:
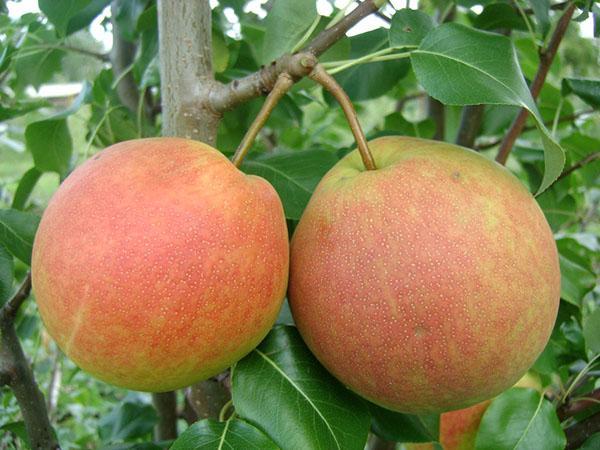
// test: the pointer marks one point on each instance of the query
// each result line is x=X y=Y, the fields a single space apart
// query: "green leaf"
x=19 y=109
x=6 y=274
x=17 y=230
x=220 y=53
x=285 y=25
x=576 y=274
x=59 y=12
x=282 y=378
x=409 y=27
x=461 y=66
x=541 y=10
x=592 y=443
x=86 y=15
x=520 y=419
x=387 y=73
x=396 y=123
x=578 y=147
x=500 y=15
x=294 y=175
x=35 y=65
x=208 y=434
x=591 y=331
x=398 y=427
x=586 y=89
x=49 y=141
x=25 y=187
x=128 y=420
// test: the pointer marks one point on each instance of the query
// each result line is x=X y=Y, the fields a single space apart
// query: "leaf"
x=6 y=274
x=357 y=80
x=34 y=65
x=59 y=12
x=592 y=443
x=19 y=109
x=17 y=230
x=398 y=427
x=586 y=89
x=409 y=27
x=591 y=331
x=578 y=147
x=130 y=419
x=520 y=419
x=86 y=15
x=25 y=187
x=499 y=15
x=396 y=123
x=208 y=434
x=294 y=175
x=541 y=10
x=49 y=141
x=220 y=53
x=576 y=274
x=461 y=66
x=285 y=25
x=283 y=389
x=19 y=430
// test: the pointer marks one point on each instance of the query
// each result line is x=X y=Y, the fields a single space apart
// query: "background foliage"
x=391 y=73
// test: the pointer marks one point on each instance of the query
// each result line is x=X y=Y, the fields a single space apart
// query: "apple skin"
x=429 y=284
x=158 y=264
x=458 y=429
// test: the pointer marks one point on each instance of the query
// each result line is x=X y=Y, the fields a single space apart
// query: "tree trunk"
x=185 y=46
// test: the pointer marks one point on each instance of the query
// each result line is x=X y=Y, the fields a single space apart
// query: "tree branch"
x=570 y=409
x=121 y=57
x=165 y=404
x=546 y=58
x=224 y=97
x=579 y=164
x=16 y=372
x=470 y=123
x=567 y=118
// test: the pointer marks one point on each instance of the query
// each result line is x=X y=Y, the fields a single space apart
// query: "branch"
x=567 y=118
x=577 y=434
x=546 y=58
x=470 y=123
x=573 y=408
x=588 y=159
x=165 y=404
x=10 y=308
x=16 y=372
x=224 y=97
x=122 y=56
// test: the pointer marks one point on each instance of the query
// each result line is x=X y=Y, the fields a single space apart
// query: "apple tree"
x=286 y=89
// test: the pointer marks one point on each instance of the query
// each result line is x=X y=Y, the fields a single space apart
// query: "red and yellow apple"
x=158 y=263
x=429 y=284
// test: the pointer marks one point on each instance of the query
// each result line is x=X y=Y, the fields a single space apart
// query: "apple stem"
x=320 y=75
x=282 y=85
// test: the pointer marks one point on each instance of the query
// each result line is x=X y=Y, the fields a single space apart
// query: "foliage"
x=282 y=397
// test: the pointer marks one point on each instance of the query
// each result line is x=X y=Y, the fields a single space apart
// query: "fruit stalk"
x=282 y=85
x=320 y=75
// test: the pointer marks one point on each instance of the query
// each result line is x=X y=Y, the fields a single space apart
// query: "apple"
x=458 y=429
x=158 y=263
x=429 y=284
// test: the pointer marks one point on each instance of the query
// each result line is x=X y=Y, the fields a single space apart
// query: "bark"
x=185 y=46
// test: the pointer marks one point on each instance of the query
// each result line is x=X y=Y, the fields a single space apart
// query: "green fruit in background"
x=429 y=284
